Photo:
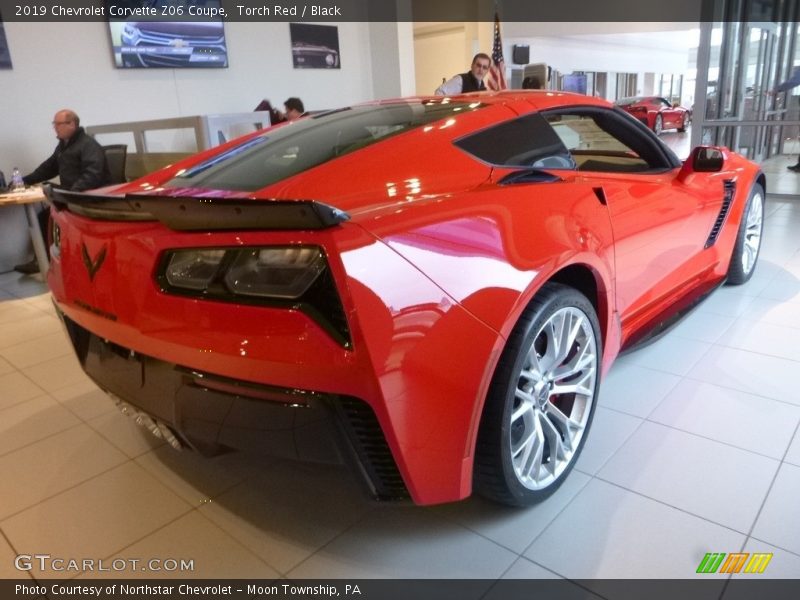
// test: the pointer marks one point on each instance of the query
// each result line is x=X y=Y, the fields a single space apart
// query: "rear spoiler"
x=190 y=213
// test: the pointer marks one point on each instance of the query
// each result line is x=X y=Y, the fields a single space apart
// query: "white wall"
x=70 y=65
x=392 y=59
x=601 y=53
x=438 y=55
x=442 y=50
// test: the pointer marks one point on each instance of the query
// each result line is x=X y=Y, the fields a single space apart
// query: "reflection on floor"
x=679 y=143
x=781 y=180
x=695 y=448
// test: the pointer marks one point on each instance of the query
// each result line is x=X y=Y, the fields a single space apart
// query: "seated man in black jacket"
x=79 y=162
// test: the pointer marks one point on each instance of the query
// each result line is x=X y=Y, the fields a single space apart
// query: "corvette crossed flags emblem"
x=92 y=264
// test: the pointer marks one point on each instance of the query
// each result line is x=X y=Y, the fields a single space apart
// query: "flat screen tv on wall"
x=159 y=43
x=575 y=82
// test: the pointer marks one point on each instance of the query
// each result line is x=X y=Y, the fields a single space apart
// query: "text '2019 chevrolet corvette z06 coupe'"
x=429 y=288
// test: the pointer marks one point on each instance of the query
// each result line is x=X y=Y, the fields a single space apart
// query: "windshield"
x=627 y=101
x=285 y=151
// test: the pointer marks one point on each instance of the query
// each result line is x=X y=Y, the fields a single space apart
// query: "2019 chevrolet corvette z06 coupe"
x=657 y=113
x=429 y=288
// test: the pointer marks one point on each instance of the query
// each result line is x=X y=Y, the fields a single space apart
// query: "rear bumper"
x=417 y=359
x=211 y=413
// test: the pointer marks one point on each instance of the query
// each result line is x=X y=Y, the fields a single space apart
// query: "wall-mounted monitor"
x=521 y=54
x=574 y=82
x=160 y=43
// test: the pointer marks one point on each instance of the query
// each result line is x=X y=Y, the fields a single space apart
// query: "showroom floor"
x=695 y=448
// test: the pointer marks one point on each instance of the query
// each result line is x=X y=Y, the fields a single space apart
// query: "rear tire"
x=684 y=123
x=541 y=400
x=748 y=240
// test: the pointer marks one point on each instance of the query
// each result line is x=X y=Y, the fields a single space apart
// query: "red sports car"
x=430 y=288
x=657 y=113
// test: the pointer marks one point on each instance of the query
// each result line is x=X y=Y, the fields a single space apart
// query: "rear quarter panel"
x=489 y=251
x=492 y=248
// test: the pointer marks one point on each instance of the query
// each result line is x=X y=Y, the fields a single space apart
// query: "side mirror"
x=707 y=159
x=704 y=159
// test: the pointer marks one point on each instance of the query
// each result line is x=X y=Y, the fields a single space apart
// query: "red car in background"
x=657 y=113
x=428 y=288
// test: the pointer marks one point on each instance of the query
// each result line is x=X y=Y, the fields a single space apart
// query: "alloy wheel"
x=658 y=126
x=553 y=399
x=752 y=233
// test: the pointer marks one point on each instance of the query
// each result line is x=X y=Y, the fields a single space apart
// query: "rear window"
x=285 y=151
x=528 y=141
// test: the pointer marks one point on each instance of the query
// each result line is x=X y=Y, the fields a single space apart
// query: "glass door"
x=742 y=56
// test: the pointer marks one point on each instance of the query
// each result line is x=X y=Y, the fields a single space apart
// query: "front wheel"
x=748 y=239
x=541 y=400
x=658 y=125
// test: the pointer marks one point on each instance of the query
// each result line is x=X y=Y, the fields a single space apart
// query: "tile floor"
x=695 y=448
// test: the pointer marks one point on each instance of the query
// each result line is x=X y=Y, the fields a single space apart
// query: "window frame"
x=649 y=147
x=657 y=155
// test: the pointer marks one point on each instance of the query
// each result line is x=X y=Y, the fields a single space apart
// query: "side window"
x=526 y=142
x=593 y=144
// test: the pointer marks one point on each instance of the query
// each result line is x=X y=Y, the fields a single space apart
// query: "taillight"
x=295 y=277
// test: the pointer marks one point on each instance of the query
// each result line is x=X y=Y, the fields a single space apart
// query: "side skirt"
x=666 y=320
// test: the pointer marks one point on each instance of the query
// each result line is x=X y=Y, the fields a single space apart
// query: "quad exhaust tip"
x=154 y=426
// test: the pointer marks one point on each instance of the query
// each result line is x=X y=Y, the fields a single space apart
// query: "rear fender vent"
x=727 y=200
x=371 y=450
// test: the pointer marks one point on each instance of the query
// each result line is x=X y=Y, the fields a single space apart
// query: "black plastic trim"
x=190 y=213
x=529 y=176
x=371 y=451
x=727 y=201
x=664 y=322
x=601 y=195
x=186 y=400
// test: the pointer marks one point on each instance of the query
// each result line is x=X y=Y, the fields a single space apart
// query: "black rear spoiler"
x=190 y=213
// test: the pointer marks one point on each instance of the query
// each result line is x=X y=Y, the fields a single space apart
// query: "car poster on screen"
x=169 y=44
x=315 y=46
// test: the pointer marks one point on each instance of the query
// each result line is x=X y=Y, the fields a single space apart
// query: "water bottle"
x=2 y=181
x=16 y=180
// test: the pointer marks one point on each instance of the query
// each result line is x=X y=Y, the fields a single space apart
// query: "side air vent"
x=727 y=200
x=371 y=449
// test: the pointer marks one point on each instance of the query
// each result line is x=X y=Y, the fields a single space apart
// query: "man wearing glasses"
x=78 y=161
x=471 y=81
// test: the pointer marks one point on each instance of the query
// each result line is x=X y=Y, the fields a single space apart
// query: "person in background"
x=78 y=161
x=785 y=86
x=531 y=82
x=293 y=109
x=471 y=81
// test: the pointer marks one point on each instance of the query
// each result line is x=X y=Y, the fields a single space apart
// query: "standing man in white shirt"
x=471 y=81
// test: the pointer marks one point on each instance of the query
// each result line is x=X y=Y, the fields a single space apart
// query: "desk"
x=28 y=197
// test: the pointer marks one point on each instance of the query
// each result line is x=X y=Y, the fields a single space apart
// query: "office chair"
x=116 y=156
